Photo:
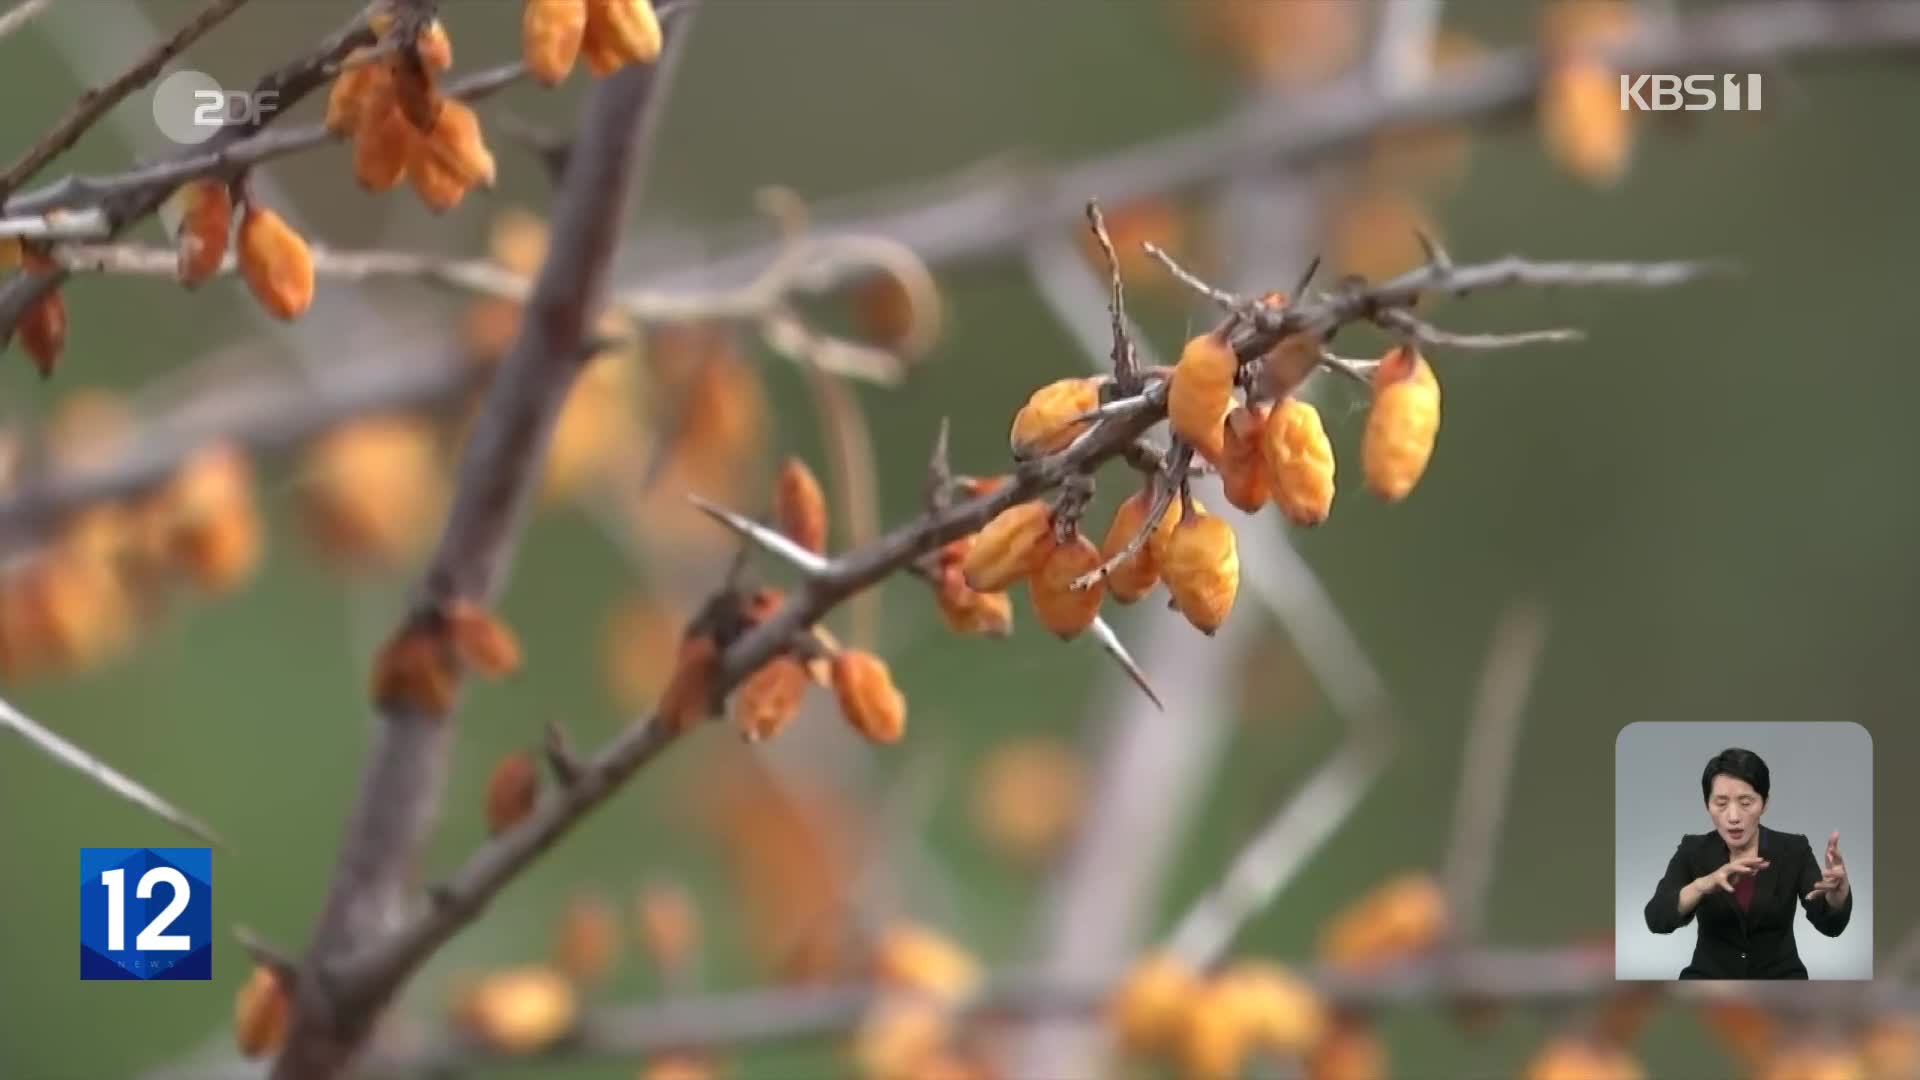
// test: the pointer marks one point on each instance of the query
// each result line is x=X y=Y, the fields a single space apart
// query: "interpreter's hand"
x=1833 y=884
x=1723 y=879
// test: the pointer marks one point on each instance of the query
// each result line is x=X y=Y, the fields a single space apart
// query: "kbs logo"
x=1693 y=93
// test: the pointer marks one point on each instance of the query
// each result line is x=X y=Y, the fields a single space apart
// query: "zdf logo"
x=1694 y=93
x=189 y=106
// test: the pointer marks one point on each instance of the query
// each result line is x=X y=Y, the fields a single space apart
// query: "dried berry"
x=1010 y=547
x=1201 y=392
x=43 y=327
x=261 y=1010
x=550 y=36
x=1243 y=467
x=918 y=959
x=1050 y=418
x=868 y=697
x=586 y=946
x=1398 y=921
x=434 y=46
x=1137 y=574
x=1299 y=460
x=382 y=147
x=968 y=611
x=206 y=223
x=276 y=263
x=769 y=699
x=481 y=640
x=1151 y=1005
x=1202 y=569
x=512 y=790
x=520 y=1010
x=456 y=145
x=414 y=673
x=1060 y=607
x=688 y=698
x=799 y=508
x=1403 y=424
x=1581 y=120
x=359 y=85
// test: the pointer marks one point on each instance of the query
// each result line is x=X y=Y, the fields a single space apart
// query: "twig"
x=1492 y=738
x=94 y=103
x=64 y=752
x=1222 y=299
x=19 y=15
x=400 y=790
x=1427 y=335
x=1126 y=365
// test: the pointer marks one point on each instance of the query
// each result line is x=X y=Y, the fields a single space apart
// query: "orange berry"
x=520 y=1010
x=1028 y=795
x=1151 y=1005
x=1061 y=608
x=206 y=222
x=354 y=90
x=457 y=146
x=434 y=46
x=799 y=507
x=1243 y=467
x=414 y=673
x=550 y=36
x=669 y=926
x=1201 y=392
x=1402 y=919
x=1010 y=547
x=626 y=31
x=688 y=698
x=276 y=263
x=1202 y=569
x=382 y=146
x=1046 y=423
x=513 y=788
x=770 y=698
x=1581 y=121
x=968 y=611
x=481 y=640
x=586 y=945
x=261 y=1010
x=1402 y=425
x=1137 y=574
x=918 y=959
x=868 y=697
x=1299 y=459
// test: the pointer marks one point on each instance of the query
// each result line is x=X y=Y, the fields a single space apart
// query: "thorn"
x=1306 y=279
x=561 y=757
x=1112 y=644
x=1437 y=256
x=940 y=469
x=769 y=539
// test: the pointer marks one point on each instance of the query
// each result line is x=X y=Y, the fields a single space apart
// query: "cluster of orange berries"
x=77 y=600
x=418 y=669
x=273 y=257
x=909 y=1033
x=402 y=127
x=608 y=34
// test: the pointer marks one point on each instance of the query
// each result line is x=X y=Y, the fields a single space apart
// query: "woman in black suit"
x=1742 y=879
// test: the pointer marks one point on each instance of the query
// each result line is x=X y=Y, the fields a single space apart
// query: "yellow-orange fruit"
x=969 y=611
x=1201 y=392
x=1402 y=425
x=434 y=47
x=439 y=188
x=210 y=524
x=669 y=926
x=601 y=54
x=512 y=790
x=628 y=30
x=868 y=697
x=918 y=959
x=382 y=147
x=901 y=1038
x=520 y=1010
x=1058 y=605
x=1581 y=121
x=481 y=640
x=372 y=489
x=1010 y=547
x=1250 y=1007
x=688 y=698
x=1299 y=459
x=1027 y=797
x=206 y=222
x=1150 y=1009
x=770 y=698
x=276 y=263
x=354 y=90
x=1049 y=420
x=261 y=1010
x=550 y=35
x=799 y=507
x=1243 y=466
x=1137 y=574
x=415 y=93
x=1568 y=1058
x=1399 y=920
x=1351 y=1051
x=43 y=331
x=1202 y=569
x=414 y=673
x=586 y=945
x=457 y=146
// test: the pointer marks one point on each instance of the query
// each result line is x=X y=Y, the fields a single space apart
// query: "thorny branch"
x=400 y=791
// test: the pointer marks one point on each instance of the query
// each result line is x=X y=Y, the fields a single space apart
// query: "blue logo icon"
x=146 y=913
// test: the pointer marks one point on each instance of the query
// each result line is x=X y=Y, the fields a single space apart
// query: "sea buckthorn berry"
x=261 y=1010
x=382 y=147
x=512 y=790
x=917 y=959
x=1010 y=547
x=276 y=263
x=586 y=944
x=457 y=145
x=1402 y=425
x=799 y=507
x=1201 y=392
x=434 y=46
x=1060 y=607
x=1048 y=422
x=1581 y=121
x=1202 y=569
x=969 y=611
x=1151 y=1004
x=414 y=672
x=1299 y=460
x=624 y=31
x=868 y=697
x=688 y=698
x=1398 y=921
x=43 y=327
x=1243 y=466
x=354 y=90
x=520 y=1010
x=550 y=36
x=206 y=223
x=481 y=640
x=770 y=698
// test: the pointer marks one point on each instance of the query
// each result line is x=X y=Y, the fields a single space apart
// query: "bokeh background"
x=1711 y=498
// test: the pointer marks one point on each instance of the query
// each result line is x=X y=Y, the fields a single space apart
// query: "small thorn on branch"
x=772 y=540
x=1221 y=298
x=1115 y=648
x=939 y=491
x=562 y=759
x=1305 y=279
x=1438 y=261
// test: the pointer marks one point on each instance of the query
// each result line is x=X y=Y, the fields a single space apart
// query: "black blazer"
x=1756 y=943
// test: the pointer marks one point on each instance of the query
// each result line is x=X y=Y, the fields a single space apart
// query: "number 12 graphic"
x=171 y=904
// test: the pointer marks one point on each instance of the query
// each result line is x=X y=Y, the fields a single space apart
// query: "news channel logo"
x=190 y=107
x=146 y=913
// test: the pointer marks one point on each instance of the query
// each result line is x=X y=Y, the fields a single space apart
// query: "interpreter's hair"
x=1739 y=764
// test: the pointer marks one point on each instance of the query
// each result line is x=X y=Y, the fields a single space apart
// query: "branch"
x=400 y=791
x=16 y=18
x=64 y=752
x=94 y=103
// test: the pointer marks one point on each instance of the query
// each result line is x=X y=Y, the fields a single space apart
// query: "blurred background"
x=1709 y=501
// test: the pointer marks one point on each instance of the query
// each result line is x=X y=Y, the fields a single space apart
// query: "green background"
x=1711 y=496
